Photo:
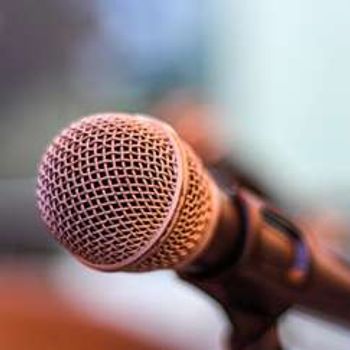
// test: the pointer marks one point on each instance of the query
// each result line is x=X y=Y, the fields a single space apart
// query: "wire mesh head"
x=122 y=192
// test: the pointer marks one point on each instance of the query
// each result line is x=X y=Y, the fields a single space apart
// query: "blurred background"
x=268 y=79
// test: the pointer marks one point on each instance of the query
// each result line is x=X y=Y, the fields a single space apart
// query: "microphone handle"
x=259 y=263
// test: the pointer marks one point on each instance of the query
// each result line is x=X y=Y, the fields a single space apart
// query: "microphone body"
x=266 y=266
x=123 y=192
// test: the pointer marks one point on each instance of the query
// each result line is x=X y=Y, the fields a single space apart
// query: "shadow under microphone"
x=124 y=193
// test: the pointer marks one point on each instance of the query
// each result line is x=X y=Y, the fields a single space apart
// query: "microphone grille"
x=194 y=224
x=122 y=192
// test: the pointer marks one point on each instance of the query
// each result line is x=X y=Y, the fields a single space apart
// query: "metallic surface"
x=123 y=192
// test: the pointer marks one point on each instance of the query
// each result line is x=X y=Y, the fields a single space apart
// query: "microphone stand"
x=251 y=309
x=259 y=264
x=254 y=320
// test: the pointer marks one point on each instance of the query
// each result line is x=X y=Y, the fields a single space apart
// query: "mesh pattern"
x=192 y=224
x=107 y=186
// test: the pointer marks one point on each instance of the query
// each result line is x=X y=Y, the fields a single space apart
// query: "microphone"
x=124 y=193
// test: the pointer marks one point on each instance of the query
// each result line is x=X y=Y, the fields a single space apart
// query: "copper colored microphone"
x=124 y=192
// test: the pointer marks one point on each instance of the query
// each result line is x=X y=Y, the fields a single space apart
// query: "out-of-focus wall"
x=281 y=72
